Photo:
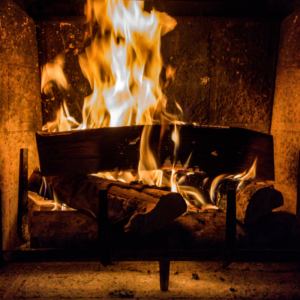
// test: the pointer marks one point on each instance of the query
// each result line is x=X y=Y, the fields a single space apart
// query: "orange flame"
x=148 y=170
x=122 y=64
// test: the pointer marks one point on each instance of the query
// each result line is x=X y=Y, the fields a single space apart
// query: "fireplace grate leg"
x=23 y=193
x=103 y=229
x=2 y=260
x=298 y=190
x=230 y=226
x=164 y=273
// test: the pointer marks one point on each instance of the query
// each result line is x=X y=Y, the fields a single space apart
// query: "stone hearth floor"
x=140 y=280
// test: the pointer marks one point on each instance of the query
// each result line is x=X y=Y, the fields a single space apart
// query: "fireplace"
x=230 y=72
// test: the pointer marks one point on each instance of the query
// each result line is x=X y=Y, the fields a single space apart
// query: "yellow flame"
x=175 y=139
x=122 y=64
x=174 y=182
x=53 y=72
x=117 y=175
x=197 y=195
x=215 y=184
x=240 y=178
x=63 y=122
x=148 y=170
x=248 y=175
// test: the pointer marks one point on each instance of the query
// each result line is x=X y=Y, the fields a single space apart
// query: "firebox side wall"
x=286 y=111
x=20 y=108
x=225 y=68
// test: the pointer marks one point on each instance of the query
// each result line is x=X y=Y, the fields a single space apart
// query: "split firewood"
x=256 y=200
x=147 y=209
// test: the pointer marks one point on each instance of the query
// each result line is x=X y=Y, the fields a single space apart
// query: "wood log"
x=77 y=230
x=256 y=200
x=147 y=209
x=216 y=150
x=198 y=231
x=60 y=229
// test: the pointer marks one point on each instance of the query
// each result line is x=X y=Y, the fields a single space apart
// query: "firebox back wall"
x=225 y=68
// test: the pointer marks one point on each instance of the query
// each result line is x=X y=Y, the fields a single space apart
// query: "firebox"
x=221 y=81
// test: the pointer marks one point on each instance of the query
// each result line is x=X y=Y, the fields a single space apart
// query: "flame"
x=45 y=204
x=117 y=175
x=175 y=139
x=53 y=72
x=148 y=170
x=240 y=178
x=122 y=65
x=41 y=201
x=249 y=174
x=174 y=182
x=64 y=121
x=216 y=182
x=197 y=195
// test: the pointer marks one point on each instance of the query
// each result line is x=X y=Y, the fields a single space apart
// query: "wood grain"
x=216 y=150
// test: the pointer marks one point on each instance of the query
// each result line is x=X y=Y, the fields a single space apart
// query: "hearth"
x=218 y=74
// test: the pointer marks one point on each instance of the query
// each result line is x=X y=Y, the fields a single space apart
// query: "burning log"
x=214 y=150
x=147 y=209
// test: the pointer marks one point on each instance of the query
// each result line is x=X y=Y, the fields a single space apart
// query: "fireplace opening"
x=208 y=162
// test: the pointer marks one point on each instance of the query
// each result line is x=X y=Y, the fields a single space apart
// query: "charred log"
x=256 y=200
x=147 y=209
x=216 y=150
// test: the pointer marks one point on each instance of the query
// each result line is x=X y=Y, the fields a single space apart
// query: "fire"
x=122 y=64
x=53 y=72
x=148 y=170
